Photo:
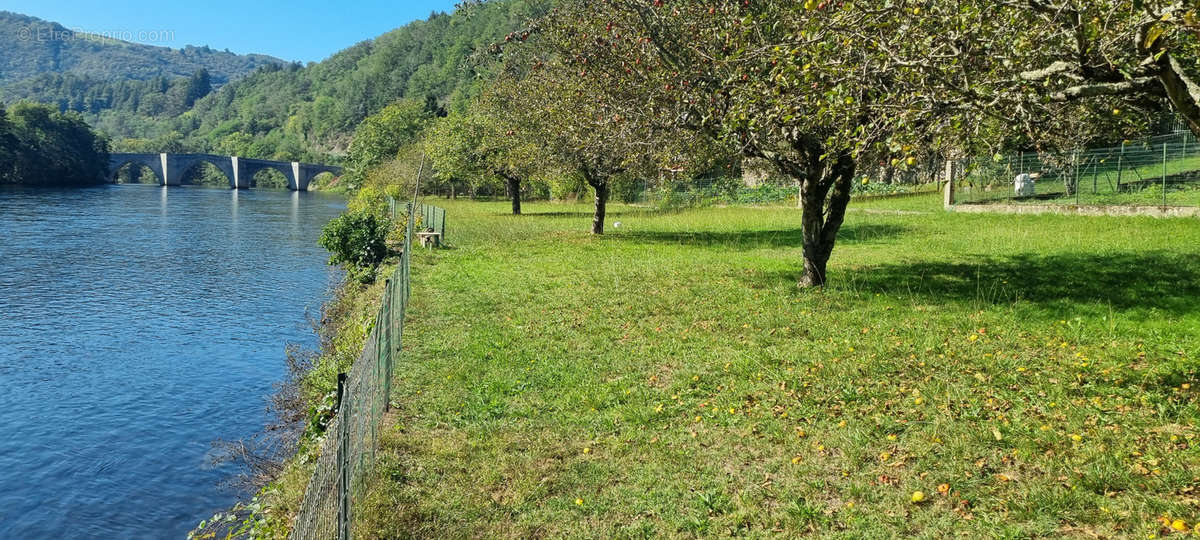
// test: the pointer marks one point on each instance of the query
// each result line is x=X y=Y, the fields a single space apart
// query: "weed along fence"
x=1162 y=171
x=348 y=451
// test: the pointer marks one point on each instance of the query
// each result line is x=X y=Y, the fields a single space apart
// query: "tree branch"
x=1083 y=91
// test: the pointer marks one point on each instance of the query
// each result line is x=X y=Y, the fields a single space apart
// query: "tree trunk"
x=815 y=258
x=814 y=271
x=1182 y=91
x=601 y=207
x=514 y=188
x=821 y=224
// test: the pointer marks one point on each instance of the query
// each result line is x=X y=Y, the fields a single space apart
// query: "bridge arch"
x=200 y=168
x=269 y=177
x=252 y=167
x=180 y=165
x=154 y=162
x=323 y=179
x=136 y=171
x=306 y=173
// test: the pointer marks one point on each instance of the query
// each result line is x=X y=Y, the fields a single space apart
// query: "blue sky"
x=303 y=30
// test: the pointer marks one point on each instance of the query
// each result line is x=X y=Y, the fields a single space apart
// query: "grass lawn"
x=1030 y=375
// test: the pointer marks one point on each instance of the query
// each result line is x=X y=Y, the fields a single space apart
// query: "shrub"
x=357 y=240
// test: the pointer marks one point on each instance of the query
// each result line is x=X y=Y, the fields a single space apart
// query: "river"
x=138 y=324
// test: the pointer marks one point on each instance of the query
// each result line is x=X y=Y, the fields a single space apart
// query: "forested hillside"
x=280 y=110
x=156 y=96
x=30 y=47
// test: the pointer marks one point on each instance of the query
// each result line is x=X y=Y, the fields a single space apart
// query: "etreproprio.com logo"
x=46 y=34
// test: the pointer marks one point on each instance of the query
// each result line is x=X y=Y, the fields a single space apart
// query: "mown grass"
x=669 y=379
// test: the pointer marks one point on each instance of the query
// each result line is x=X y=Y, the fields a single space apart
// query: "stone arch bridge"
x=171 y=168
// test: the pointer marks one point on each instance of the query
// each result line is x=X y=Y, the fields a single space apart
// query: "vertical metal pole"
x=948 y=199
x=1095 y=166
x=1164 y=175
x=387 y=350
x=343 y=483
x=1075 y=172
x=341 y=389
x=443 y=225
x=1120 y=163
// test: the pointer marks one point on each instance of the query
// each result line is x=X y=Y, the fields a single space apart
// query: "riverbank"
x=305 y=403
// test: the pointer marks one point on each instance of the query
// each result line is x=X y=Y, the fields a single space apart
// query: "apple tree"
x=809 y=87
x=582 y=117
x=1069 y=72
x=477 y=145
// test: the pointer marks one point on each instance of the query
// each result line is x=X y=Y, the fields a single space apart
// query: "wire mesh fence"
x=766 y=189
x=348 y=450
x=1161 y=171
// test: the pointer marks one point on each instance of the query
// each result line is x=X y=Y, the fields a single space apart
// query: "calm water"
x=137 y=325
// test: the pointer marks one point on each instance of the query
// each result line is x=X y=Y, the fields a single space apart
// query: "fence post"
x=1120 y=163
x=1075 y=175
x=1095 y=166
x=1164 y=175
x=341 y=388
x=948 y=201
x=443 y=229
x=389 y=324
x=343 y=460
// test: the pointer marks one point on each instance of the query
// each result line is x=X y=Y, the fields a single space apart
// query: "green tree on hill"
x=53 y=148
x=475 y=145
x=381 y=136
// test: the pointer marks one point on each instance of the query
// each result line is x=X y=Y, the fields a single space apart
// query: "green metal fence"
x=364 y=394
x=1161 y=171
x=433 y=219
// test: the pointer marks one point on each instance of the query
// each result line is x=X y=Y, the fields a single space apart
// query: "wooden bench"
x=430 y=239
